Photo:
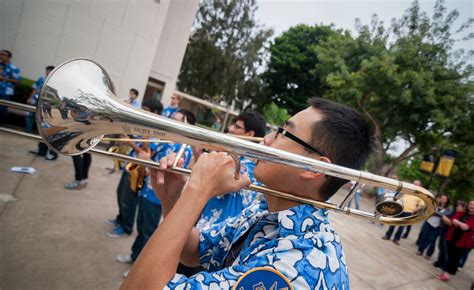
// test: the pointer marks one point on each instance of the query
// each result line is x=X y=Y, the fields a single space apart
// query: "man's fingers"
x=163 y=165
x=152 y=172
x=244 y=180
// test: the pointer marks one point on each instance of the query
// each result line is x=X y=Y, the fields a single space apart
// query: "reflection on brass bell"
x=389 y=206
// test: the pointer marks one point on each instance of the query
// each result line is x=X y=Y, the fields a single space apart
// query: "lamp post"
x=441 y=164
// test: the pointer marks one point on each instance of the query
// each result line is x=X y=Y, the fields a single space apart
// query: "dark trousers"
x=407 y=232
x=464 y=255
x=399 y=232
x=127 y=201
x=148 y=218
x=81 y=165
x=4 y=109
x=30 y=122
x=427 y=239
x=454 y=255
x=443 y=252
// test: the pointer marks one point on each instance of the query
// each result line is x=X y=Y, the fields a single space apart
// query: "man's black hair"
x=154 y=105
x=253 y=121
x=190 y=117
x=344 y=135
x=134 y=91
x=50 y=67
x=9 y=53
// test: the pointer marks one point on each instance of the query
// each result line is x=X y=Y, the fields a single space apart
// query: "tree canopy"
x=405 y=79
x=225 y=51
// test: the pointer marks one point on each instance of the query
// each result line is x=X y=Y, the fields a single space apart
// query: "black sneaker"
x=37 y=153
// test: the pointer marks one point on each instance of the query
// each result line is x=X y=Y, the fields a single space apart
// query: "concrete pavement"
x=52 y=238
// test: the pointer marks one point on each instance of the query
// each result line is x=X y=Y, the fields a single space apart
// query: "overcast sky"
x=281 y=14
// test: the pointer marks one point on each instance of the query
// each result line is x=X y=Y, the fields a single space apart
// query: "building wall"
x=122 y=35
x=172 y=46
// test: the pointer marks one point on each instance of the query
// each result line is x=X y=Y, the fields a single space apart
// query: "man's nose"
x=268 y=139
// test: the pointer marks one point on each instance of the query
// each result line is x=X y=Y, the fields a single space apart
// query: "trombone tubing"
x=30 y=108
x=177 y=170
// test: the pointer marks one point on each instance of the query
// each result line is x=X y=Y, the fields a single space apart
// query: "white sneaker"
x=125 y=274
x=124 y=259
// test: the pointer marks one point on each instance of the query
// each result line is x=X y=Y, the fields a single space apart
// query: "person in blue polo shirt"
x=9 y=78
x=149 y=206
x=33 y=99
x=173 y=107
x=133 y=98
x=127 y=199
x=292 y=240
x=220 y=208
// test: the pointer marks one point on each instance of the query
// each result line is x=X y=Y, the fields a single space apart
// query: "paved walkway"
x=52 y=238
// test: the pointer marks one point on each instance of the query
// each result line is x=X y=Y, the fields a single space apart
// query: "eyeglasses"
x=237 y=126
x=292 y=137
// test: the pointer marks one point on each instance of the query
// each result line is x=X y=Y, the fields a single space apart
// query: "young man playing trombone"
x=292 y=240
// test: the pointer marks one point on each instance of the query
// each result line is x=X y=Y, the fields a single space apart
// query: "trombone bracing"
x=77 y=106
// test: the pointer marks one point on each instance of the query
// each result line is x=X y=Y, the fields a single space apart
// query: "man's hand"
x=214 y=174
x=144 y=154
x=167 y=186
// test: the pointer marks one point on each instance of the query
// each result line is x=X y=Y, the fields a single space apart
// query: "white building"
x=141 y=43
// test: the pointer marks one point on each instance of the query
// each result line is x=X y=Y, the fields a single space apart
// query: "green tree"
x=225 y=51
x=274 y=114
x=406 y=80
x=291 y=75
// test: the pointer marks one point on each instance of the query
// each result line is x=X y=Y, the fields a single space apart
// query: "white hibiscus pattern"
x=297 y=242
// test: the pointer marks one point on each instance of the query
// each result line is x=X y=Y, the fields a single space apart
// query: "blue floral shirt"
x=9 y=71
x=38 y=85
x=162 y=149
x=298 y=242
x=222 y=207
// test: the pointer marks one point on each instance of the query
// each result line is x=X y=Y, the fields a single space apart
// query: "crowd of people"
x=222 y=231
x=454 y=230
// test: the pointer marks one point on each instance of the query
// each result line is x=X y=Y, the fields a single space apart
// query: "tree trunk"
x=443 y=185
x=405 y=154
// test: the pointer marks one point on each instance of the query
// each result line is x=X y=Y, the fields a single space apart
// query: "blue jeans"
x=148 y=218
x=30 y=122
x=127 y=203
x=427 y=239
x=4 y=109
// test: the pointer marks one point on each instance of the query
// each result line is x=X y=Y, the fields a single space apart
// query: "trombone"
x=77 y=107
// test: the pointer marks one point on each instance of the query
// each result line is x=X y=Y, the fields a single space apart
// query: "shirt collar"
x=300 y=219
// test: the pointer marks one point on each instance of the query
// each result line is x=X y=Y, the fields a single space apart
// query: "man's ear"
x=314 y=175
x=250 y=133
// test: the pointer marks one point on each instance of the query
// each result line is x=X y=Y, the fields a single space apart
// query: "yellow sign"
x=445 y=165
x=426 y=166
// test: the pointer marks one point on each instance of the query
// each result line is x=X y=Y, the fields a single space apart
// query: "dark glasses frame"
x=292 y=137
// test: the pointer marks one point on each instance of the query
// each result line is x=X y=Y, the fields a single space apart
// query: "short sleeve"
x=215 y=242
x=16 y=73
